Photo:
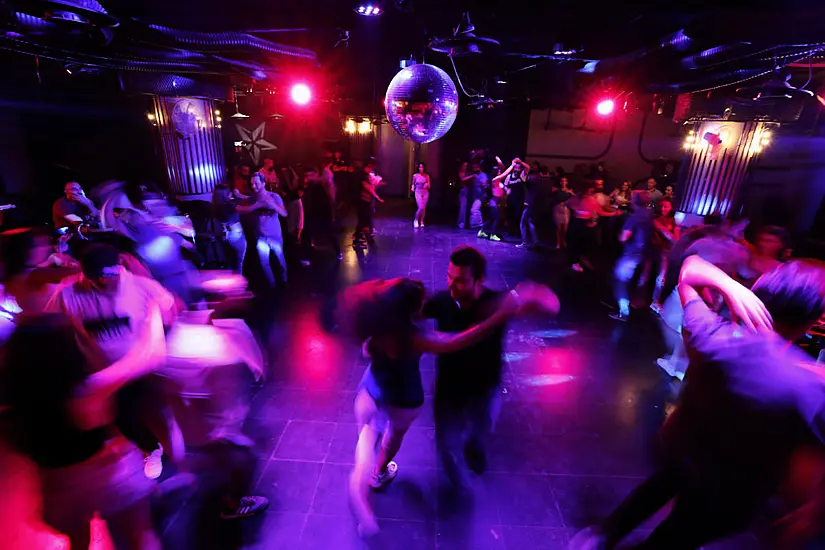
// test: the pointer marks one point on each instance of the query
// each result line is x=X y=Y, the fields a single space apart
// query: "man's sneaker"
x=421 y=225
x=248 y=506
x=475 y=457
x=415 y=224
x=521 y=245
x=153 y=464
x=577 y=268
x=619 y=316
x=495 y=238
x=483 y=235
x=383 y=478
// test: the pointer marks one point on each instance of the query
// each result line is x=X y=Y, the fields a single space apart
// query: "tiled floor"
x=582 y=400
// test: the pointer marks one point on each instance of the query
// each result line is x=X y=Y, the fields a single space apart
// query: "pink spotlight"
x=605 y=107
x=301 y=94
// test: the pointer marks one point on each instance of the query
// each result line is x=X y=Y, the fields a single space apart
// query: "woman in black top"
x=382 y=314
x=63 y=420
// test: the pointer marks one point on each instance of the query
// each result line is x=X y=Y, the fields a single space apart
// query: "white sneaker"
x=153 y=464
x=421 y=225
x=415 y=224
x=670 y=368
x=382 y=479
x=577 y=268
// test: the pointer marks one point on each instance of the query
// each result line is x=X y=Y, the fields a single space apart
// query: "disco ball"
x=421 y=103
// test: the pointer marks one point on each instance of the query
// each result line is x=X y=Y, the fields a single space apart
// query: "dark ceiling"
x=646 y=46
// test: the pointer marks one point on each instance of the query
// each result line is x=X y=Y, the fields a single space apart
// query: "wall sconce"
x=362 y=127
x=690 y=140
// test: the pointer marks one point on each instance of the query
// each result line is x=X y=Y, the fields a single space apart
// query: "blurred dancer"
x=319 y=209
x=496 y=204
x=468 y=382
x=62 y=419
x=582 y=235
x=367 y=194
x=207 y=375
x=223 y=208
x=107 y=304
x=421 y=191
x=747 y=405
x=637 y=236
x=269 y=240
x=391 y=394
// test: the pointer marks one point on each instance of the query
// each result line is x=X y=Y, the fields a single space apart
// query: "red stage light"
x=301 y=94
x=605 y=107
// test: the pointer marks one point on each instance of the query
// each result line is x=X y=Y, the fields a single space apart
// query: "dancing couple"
x=382 y=315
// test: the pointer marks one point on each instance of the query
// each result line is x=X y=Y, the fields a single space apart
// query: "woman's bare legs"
x=399 y=424
x=366 y=411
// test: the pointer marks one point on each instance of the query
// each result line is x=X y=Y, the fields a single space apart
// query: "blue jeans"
x=463 y=196
x=458 y=420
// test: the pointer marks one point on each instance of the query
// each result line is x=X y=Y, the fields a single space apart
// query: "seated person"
x=74 y=208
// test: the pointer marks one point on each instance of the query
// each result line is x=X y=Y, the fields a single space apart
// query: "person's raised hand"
x=747 y=309
x=537 y=297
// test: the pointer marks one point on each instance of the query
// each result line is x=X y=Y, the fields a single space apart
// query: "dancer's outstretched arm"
x=527 y=296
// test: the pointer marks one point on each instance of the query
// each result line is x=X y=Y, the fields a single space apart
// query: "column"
x=719 y=154
x=190 y=134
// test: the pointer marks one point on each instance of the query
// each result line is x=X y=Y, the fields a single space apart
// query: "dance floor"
x=582 y=400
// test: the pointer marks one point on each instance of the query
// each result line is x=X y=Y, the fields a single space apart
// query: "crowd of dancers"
x=123 y=377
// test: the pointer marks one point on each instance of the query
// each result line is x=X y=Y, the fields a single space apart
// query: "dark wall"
x=71 y=127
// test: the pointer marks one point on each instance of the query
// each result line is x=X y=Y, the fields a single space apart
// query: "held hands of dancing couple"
x=746 y=309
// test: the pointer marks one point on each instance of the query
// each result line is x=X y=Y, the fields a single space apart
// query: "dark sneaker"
x=248 y=506
x=475 y=457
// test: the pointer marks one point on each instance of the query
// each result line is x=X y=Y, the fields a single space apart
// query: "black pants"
x=363 y=228
x=493 y=216
x=318 y=229
x=581 y=240
x=702 y=513
x=226 y=470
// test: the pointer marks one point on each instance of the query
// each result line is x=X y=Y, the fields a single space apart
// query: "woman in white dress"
x=421 y=189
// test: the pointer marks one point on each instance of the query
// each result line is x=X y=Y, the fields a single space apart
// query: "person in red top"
x=667 y=232
x=583 y=231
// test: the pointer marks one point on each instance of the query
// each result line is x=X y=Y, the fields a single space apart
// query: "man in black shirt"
x=223 y=209
x=637 y=236
x=318 y=213
x=468 y=382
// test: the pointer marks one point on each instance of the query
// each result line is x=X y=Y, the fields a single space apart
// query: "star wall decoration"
x=254 y=142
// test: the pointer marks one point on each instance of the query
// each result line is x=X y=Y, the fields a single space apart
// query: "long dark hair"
x=381 y=308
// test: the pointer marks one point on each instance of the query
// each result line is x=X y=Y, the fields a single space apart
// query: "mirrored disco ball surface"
x=422 y=103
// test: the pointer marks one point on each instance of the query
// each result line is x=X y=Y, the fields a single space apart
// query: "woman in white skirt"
x=421 y=190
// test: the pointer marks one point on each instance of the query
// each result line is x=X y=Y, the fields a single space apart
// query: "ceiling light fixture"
x=369 y=10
